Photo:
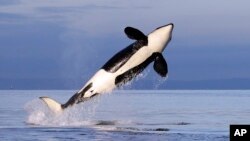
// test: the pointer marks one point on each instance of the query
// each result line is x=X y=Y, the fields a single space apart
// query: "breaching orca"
x=124 y=65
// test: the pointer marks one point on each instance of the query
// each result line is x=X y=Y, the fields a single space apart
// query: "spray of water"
x=78 y=115
x=128 y=84
x=159 y=81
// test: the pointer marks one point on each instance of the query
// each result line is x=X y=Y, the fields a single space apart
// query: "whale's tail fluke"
x=53 y=105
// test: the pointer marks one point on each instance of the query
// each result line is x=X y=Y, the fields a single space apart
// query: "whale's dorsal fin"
x=160 y=65
x=135 y=34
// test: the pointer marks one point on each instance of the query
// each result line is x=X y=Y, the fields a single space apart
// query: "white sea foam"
x=77 y=115
x=82 y=114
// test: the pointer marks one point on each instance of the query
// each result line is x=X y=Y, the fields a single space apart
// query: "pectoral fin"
x=135 y=34
x=160 y=65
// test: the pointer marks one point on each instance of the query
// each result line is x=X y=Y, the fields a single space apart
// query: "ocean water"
x=173 y=115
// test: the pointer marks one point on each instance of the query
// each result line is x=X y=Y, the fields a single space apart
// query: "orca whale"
x=123 y=66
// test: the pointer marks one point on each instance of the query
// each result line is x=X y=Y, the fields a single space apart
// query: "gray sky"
x=57 y=43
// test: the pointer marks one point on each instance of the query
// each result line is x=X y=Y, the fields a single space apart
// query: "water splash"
x=77 y=115
x=83 y=114
x=159 y=82
x=128 y=84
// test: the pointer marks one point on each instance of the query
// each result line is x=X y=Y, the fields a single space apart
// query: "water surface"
x=174 y=115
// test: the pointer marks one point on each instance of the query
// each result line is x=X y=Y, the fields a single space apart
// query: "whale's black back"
x=120 y=58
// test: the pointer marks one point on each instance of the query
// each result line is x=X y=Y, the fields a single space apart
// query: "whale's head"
x=160 y=37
